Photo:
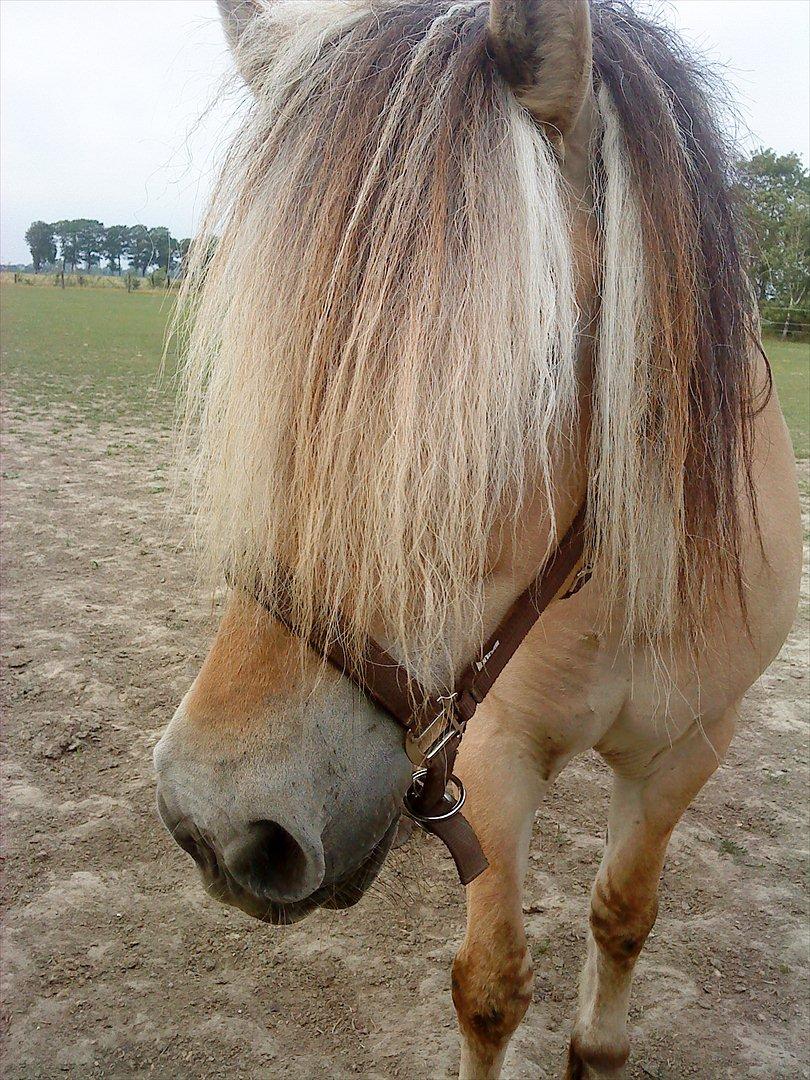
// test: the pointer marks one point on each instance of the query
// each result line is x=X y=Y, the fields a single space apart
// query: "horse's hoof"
x=576 y=1068
x=582 y=1065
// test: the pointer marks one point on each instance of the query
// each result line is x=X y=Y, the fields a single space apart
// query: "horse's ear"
x=543 y=48
x=237 y=18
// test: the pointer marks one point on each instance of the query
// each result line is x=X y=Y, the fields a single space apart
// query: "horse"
x=469 y=268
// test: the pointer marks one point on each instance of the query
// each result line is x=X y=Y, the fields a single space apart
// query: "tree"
x=39 y=237
x=139 y=250
x=163 y=248
x=116 y=239
x=776 y=198
x=89 y=241
x=67 y=236
x=183 y=247
x=791 y=275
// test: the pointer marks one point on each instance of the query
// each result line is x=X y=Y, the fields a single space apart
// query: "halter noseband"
x=435 y=724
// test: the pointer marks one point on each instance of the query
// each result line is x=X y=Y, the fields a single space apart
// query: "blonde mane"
x=382 y=344
x=379 y=329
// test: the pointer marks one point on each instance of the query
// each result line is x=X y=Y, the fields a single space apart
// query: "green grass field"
x=790 y=363
x=99 y=350
x=96 y=350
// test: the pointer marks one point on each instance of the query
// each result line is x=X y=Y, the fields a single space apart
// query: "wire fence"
x=791 y=325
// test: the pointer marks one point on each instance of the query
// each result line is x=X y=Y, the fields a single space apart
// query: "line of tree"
x=85 y=243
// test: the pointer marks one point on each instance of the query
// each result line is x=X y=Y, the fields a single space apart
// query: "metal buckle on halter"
x=425 y=819
x=422 y=749
x=425 y=746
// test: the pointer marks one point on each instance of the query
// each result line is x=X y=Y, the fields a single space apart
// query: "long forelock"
x=381 y=341
x=381 y=346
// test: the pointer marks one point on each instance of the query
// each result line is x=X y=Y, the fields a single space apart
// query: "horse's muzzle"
x=271 y=874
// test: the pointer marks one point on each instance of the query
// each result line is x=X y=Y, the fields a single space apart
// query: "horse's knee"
x=492 y=989
x=621 y=920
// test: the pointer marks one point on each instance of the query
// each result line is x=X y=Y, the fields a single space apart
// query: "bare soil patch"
x=115 y=963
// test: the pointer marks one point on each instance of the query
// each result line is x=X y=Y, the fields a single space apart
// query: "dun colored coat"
x=467 y=265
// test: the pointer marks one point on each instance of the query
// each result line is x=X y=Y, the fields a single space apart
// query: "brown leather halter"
x=435 y=724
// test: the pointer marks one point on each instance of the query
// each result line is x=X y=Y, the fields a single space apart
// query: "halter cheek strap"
x=434 y=724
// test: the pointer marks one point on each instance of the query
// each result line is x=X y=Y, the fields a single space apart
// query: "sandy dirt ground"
x=116 y=964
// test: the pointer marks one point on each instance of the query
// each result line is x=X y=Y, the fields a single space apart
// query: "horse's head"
x=381 y=388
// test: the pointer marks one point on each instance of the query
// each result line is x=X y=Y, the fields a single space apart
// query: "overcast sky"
x=106 y=103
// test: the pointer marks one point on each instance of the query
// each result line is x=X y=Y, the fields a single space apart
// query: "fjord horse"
x=467 y=267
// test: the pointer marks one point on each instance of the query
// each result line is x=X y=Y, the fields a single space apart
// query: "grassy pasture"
x=99 y=350
x=790 y=363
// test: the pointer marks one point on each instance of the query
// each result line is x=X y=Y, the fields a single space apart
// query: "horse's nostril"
x=271 y=862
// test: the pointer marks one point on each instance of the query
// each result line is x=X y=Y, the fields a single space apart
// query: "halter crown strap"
x=389 y=685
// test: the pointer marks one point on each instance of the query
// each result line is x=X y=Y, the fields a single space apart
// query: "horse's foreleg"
x=492 y=974
x=624 y=898
x=492 y=977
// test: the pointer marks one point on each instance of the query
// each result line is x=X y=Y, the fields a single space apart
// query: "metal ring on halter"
x=461 y=798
